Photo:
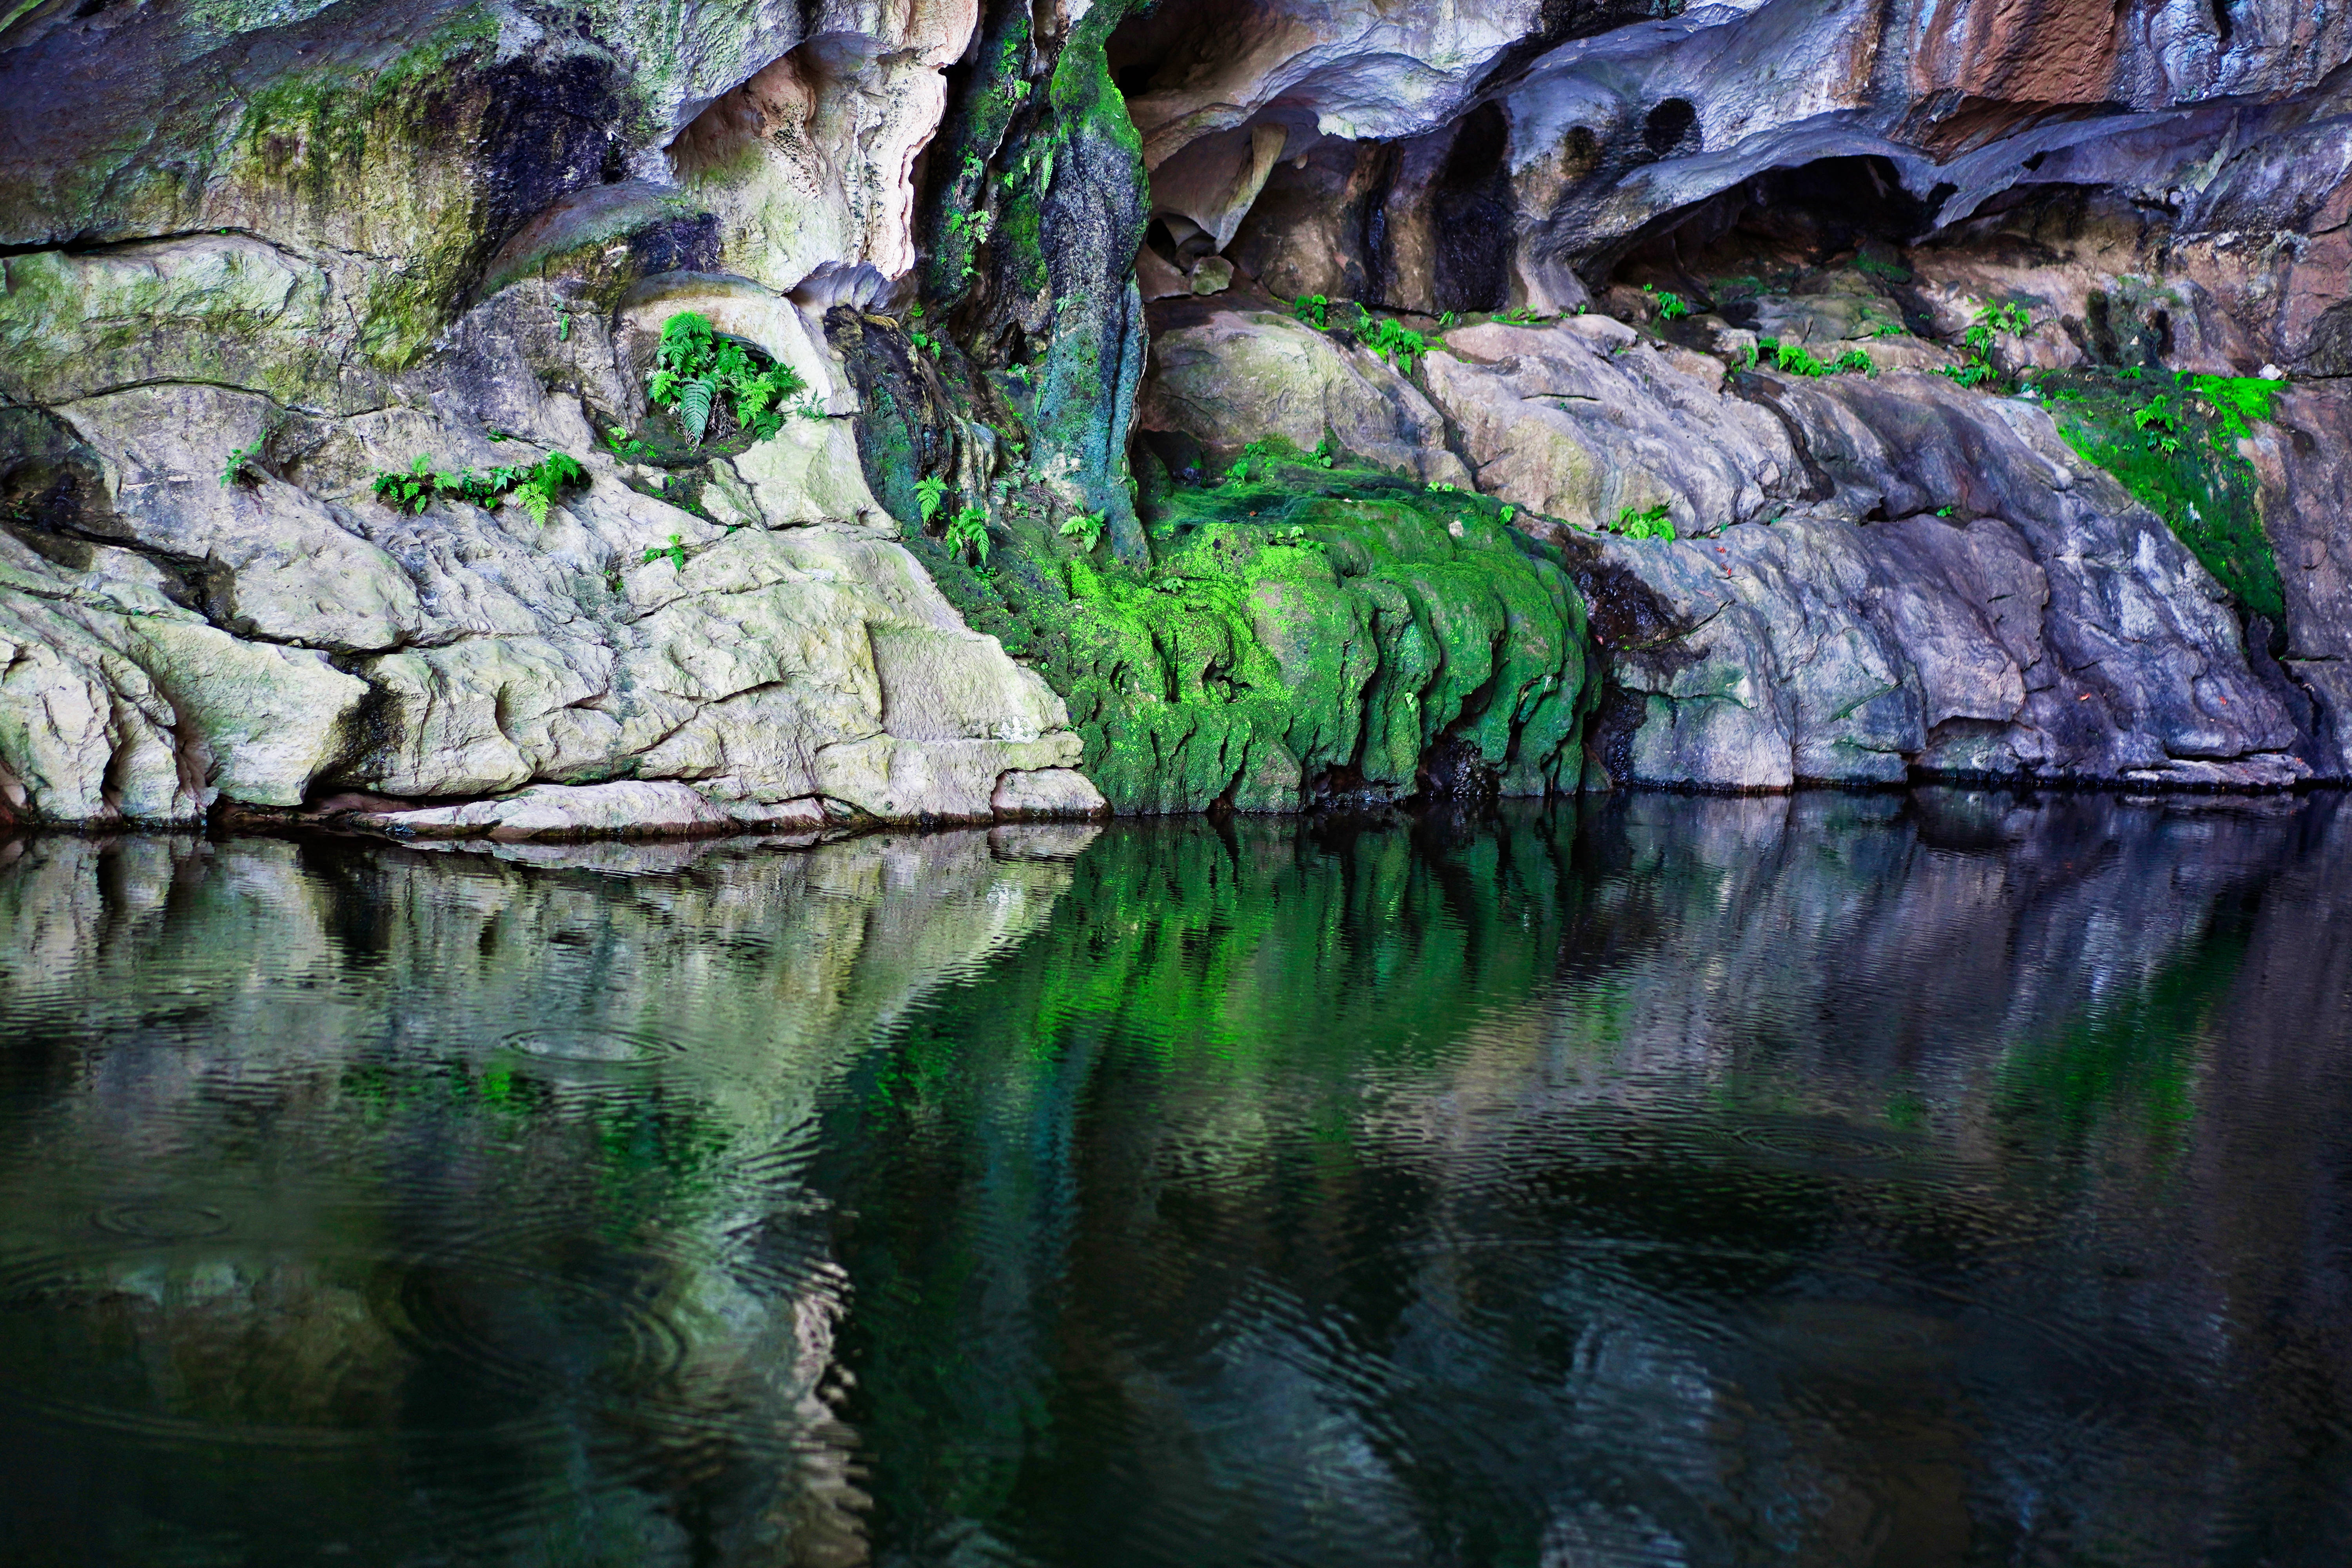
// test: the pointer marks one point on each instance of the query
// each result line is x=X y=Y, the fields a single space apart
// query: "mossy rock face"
x=2171 y=441
x=395 y=151
x=1307 y=634
x=218 y=308
x=1029 y=231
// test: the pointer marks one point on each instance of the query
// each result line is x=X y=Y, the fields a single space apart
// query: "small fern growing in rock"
x=1645 y=522
x=243 y=466
x=1087 y=528
x=697 y=372
x=536 y=485
x=967 y=529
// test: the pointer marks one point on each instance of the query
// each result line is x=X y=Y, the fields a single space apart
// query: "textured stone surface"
x=1241 y=376
x=1583 y=420
x=456 y=230
x=2307 y=511
x=477 y=652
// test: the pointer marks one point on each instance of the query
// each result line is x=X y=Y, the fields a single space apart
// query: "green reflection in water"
x=1837 y=1179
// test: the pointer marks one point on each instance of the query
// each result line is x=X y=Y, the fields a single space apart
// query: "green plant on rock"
x=1315 y=310
x=1260 y=452
x=2156 y=411
x=2177 y=454
x=674 y=552
x=931 y=494
x=623 y=445
x=1992 y=320
x=1087 y=528
x=2236 y=400
x=1394 y=341
x=243 y=466
x=1522 y=316
x=968 y=531
x=535 y=487
x=1793 y=358
x=1306 y=620
x=1854 y=360
x=1975 y=366
x=698 y=373
x=1669 y=304
x=1645 y=522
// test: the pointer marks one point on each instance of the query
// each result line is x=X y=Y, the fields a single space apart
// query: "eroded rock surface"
x=1879 y=578
x=453 y=232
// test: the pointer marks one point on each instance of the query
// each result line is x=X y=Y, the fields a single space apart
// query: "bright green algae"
x=2171 y=442
x=1303 y=631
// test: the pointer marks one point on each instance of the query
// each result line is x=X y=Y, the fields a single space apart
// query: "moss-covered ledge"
x=1305 y=633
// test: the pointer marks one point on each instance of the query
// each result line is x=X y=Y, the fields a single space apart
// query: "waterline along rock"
x=1126 y=408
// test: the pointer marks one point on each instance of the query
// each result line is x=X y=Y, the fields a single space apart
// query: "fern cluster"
x=1976 y=367
x=1644 y=523
x=1399 y=344
x=1795 y=359
x=967 y=529
x=1669 y=304
x=697 y=372
x=535 y=486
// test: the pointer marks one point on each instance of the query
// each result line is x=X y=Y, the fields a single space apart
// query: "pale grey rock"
x=292 y=569
x=118 y=705
x=799 y=653
x=1048 y=792
x=2307 y=506
x=559 y=811
x=1583 y=420
x=2053 y=627
x=1244 y=375
x=625 y=809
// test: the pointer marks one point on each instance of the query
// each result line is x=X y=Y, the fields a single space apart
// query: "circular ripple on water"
x=1819 y=1141
x=594 y=1045
x=160 y=1219
x=529 y=1331
x=304 y=1350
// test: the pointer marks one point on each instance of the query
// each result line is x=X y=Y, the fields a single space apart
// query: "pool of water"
x=1942 y=1179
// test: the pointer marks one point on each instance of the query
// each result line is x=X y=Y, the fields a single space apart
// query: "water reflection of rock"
x=455 y=1174
x=1711 y=1181
x=1705 y=1180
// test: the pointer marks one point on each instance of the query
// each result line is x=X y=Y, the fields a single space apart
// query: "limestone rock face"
x=421 y=241
x=1584 y=420
x=252 y=258
x=1877 y=577
x=1242 y=376
x=261 y=640
x=2307 y=511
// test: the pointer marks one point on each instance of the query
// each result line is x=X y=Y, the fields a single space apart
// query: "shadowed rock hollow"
x=1216 y=403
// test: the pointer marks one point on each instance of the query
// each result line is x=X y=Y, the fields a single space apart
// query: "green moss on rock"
x=2171 y=442
x=1307 y=633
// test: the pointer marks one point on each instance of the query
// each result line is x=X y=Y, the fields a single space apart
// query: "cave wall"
x=255 y=255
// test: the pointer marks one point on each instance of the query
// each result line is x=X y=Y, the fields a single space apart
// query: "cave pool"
x=1943 y=1178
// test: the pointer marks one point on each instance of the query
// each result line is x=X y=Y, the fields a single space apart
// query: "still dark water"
x=1838 y=1180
